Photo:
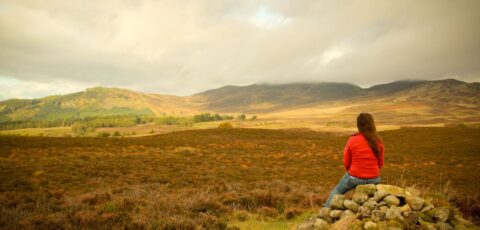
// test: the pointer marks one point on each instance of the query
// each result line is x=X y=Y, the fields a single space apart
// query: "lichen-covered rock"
x=379 y=195
x=391 y=200
x=335 y=214
x=382 y=211
x=337 y=201
x=391 y=189
x=348 y=223
x=347 y=213
x=428 y=205
x=324 y=211
x=359 y=197
x=393 y=213
x=364 y=211
x=378 y=215
x=410 y=191
x=369 y=225
x=368 y=189
x=427 y=225
x=443 y=226
x=320 y=224
x=415 y=202
x=370 y=204
x=405 y=208
x=351 y=205
x=441 y=213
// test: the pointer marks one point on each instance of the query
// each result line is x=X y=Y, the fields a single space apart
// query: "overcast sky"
x=182 y=47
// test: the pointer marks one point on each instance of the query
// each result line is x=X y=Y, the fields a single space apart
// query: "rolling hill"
x=405 y=102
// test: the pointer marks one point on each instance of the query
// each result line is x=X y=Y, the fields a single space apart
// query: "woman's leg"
x=341 y=188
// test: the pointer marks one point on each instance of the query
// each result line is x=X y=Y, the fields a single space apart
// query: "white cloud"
x=267 y=18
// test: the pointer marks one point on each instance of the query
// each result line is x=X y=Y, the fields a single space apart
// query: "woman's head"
x=366 y=126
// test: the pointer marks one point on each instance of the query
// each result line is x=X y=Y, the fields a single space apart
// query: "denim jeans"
x=349 y=182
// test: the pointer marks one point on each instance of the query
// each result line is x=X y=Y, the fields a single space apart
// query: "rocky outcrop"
x=377 y=207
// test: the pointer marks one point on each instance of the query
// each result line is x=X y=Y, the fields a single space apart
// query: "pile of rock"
x=386 y=207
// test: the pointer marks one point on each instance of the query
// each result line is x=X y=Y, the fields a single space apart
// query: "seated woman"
x=363 y=157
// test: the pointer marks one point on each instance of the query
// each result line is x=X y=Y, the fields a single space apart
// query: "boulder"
x=351 y=205
x=320 y=224
x=364 y=211
x=335 y=214
x=323 y=214
x=405 y=208
x=360 y=197
x=391 y=200
x=443 y=226
x=378 y=215
x=347 y=213
x=369 y=225
x=441 y=213
x=368 y=189
x=411 y=191
x=393 y=213
x=391 y=189
x=379 y=195
x=337 y=201
x=370 y=204
x=347 y=223
x=415 y=202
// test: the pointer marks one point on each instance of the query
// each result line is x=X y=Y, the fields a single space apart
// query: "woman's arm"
x=347 y=155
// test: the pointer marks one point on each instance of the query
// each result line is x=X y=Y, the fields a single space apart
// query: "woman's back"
x=359 y=159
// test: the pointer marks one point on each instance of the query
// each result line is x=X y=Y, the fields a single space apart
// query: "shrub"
x=103 y=134
x=225 y=125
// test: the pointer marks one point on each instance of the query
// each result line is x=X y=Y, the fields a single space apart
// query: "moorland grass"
x=214 y=178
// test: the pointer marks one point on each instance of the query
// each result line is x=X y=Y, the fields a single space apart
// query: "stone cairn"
x=386 y=207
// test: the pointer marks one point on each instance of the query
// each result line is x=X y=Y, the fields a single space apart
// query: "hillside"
x=94 y=102
x=312 y=104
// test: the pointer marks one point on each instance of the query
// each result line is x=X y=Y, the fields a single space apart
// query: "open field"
x=214 y=178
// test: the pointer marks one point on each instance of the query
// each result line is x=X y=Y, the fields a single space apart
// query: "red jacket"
x=359 y=159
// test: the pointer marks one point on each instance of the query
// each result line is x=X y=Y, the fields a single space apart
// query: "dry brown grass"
x=205 y=178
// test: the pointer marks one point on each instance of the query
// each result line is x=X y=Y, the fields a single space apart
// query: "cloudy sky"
x=182 y=47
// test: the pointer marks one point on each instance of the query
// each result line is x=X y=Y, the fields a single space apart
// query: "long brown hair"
x=366 y=126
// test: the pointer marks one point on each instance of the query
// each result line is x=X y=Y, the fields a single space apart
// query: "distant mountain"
x=264 y=97
x=434 y=97
x=93 y=102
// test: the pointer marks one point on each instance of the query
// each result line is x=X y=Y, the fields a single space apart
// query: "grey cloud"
x=183 y=47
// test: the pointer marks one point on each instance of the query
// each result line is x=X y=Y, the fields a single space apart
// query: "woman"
x=363 y=157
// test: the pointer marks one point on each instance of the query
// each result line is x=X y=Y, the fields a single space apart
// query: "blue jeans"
x=349 y=182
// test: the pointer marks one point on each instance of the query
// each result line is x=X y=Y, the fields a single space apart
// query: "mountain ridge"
x=254 y=98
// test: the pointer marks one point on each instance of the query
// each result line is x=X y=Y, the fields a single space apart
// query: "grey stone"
x=391 y=200
x=443 y=226
x=335 y=214
x=351 y=205
x=370 y=204
x=346 y=213
x=364 y=211
x=378 y=215
x=369 y=225
x=393 y=213
x=442 y=213
x=405 y=208
x=337 y=201
x=379 y=195
x=415 y=202
x=391 y=189
x=368 y=189
x=320 y=224
x=324 y=212
x=359 y=197
x=411 y=191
